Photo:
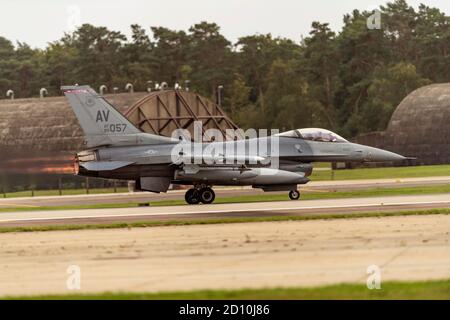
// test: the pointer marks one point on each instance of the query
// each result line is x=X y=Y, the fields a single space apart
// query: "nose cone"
x=380 y=155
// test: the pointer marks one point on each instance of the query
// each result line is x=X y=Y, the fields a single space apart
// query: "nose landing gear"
x=201 y=194
x=294 y=194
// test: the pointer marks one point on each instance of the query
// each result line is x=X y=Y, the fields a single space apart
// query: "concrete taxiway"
x=255 y=209
x=313 y=186
x=226 y=256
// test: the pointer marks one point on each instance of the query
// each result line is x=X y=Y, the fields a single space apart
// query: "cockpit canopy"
x=313 y=134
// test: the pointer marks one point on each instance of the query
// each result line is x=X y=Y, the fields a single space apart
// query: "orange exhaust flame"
x=38 y=165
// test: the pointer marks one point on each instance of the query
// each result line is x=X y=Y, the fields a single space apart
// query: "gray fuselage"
x=289 y=154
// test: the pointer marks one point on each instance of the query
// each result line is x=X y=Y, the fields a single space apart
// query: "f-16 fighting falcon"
x=116 y=149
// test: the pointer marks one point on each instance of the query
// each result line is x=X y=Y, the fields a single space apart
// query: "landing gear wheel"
x=207 y=195
x=192 y=196
x=294 y=194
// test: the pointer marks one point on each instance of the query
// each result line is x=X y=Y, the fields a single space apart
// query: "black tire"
x=192 y=196
x=294 y=194
x=207 y=195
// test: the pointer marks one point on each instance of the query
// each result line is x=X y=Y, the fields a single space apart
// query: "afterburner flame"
x=38 y=165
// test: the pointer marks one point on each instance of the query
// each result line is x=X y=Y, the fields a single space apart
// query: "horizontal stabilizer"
x=104 y=165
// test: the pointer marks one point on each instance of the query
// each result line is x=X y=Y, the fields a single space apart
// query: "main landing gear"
x=206 y=195
x=294 y=194
x=196 y=195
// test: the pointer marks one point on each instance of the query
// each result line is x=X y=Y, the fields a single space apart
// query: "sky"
x=39 y=22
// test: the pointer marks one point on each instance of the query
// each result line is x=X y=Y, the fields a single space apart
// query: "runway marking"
x=315 y=190
x=18 y=205
x=222 y=211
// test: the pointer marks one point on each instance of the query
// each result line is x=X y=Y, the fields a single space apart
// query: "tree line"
x=350 y=81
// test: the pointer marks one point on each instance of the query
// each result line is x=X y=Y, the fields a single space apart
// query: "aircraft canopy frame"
x=313 y=134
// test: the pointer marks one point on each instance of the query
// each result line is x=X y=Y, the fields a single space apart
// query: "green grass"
x=372 y=192
x=323 y=165
x=438 y=290
x=214 y=220
x=383 y=173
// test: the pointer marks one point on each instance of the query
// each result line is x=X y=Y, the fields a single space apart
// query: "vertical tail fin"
x=102 y=123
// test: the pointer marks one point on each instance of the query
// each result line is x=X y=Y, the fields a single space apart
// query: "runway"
x=226 y=256
x=313 y=186
x=214 y=211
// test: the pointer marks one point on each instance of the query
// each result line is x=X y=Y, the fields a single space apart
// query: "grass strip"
x=382 y=173
x=437 y=290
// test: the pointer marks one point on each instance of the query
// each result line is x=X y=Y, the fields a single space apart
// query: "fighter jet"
x=116 y=149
